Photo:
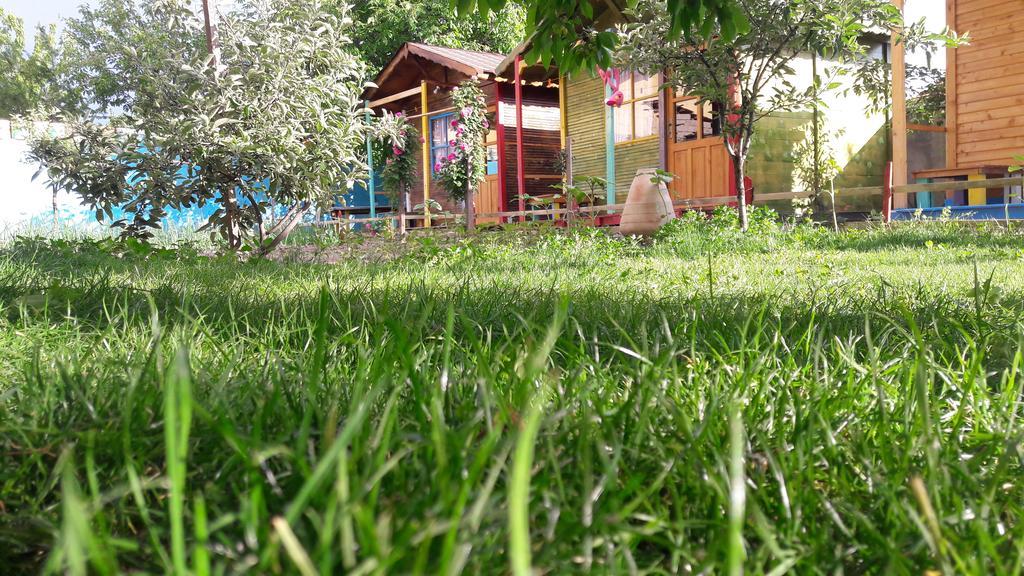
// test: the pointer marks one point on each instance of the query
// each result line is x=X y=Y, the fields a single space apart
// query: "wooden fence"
x=887 y=191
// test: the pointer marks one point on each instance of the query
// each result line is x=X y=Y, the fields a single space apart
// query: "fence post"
x=887 y=194
x=570 y=201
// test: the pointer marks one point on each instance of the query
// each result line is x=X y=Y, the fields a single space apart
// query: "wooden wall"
x=985 y=86
x=541 y=141
x=437 y=100
x=585 y=113
x=587 y=123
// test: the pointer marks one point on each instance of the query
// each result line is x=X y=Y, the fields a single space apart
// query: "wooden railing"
x=886 y=191
x=698 y=203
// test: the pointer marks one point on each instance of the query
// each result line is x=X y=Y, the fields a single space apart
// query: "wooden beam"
x=952 y=96
x=925 y=128
x=370 y=184
x=609 y=148
x=899 y=111
x=425 y=124
x=520 y=153
x=563 y=124
x=977 y=181
x=396 y=97
x=663 y=126
x=502 y=149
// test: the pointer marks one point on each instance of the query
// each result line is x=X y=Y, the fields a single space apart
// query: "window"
x=439 y=140
x=638 y=117
x=695 y=121
x=492 y=152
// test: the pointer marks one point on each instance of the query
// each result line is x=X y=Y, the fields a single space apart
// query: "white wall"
x=24 y=202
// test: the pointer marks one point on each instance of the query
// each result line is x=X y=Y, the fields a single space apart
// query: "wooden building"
x=662 y=129
x=984 y=128
x=522 y=147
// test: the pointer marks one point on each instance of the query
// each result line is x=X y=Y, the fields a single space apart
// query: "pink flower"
x=451 y=157
x=467 y=112
x=463 y=147
x=423 y=140
x=486 y=123
x=399 y=114
x=398 y=151
x=437 y=167
x=455 y=123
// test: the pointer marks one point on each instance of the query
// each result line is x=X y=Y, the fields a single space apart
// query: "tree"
x=276 y=119
x=747 y=73
x=565 y=32
x=926 y=101
x=26 y=80
x=816 y=163
x=382 y=26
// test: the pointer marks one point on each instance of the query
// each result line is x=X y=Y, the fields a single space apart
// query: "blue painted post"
x=924 y=199
x=370 y=185
x=609 y=143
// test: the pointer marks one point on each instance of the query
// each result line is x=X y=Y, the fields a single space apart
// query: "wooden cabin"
x=984 y=128
x=662 y=129
x=418 y=82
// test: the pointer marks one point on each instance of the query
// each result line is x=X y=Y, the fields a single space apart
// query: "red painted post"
x=502 y=161
x=520 y=154
x=887 y=194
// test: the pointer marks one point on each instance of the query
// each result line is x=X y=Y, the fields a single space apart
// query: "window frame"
x=675 y=99
x=447 y=141
x=632 y=103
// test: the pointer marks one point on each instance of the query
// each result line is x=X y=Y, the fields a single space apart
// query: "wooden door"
x=488 y=199
x=696 y=150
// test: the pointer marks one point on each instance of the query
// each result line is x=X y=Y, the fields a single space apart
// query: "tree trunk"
x=233 y=232
x=739 y=161
x=832 y=197
x=470 y=209
x=283 y=229
x=401 y=212
x=56 y=218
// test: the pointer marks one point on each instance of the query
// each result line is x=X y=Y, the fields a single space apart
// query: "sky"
x=44 y=12
x=51 y=11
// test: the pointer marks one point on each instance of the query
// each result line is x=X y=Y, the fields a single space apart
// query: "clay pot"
x=648 y=206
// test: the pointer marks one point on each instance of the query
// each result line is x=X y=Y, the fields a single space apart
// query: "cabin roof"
x=480 y=62
x=407 y=65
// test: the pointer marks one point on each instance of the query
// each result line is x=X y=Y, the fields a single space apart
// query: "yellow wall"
x=587 y=123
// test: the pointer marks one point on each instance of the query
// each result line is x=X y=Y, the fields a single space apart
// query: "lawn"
x=782 y=402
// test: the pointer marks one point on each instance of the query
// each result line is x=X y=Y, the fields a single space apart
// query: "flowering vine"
x=397 y=141
x=465 y=165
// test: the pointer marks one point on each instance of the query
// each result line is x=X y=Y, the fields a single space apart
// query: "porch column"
x=899 y=115
x=520 y=155
x=499 y=128
x=370 y=184
x=609 y=147
x=425 y=133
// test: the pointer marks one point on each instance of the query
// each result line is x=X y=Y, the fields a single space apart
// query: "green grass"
x=783 y=402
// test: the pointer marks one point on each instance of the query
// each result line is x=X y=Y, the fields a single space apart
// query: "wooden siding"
x=541 y=142
x=986 y=103
x=587 y=120
x=585 y=112
x=629 y=158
